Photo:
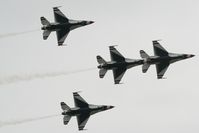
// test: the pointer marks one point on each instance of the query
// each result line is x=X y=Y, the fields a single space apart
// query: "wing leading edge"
x=115 y=55
x=59 y=16
x=158 y=49
x=79 y=101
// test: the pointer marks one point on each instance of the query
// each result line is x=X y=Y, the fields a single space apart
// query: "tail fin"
x=143 y=54
x=46 y=34
x=100 y=60
x=44 y=21
x=66 y=119
x=64 y=106
x=102 y=73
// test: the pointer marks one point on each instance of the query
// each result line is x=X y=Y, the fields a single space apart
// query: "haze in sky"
x=36 y=75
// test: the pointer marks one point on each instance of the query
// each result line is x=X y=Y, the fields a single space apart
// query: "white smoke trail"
x=16 y=122
x=17 y=33
x=28 y=77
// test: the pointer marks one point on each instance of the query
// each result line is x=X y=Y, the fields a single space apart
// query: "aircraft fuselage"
x=68 y=26
x=57 y=26
x=88 y=110
x=124 y=64
x=170 y=59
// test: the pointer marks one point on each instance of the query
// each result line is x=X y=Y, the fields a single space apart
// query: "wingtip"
x=61 y=45
x=155 y=42
x=56 y=7
x=82 y=129
x=161 y=77
x=76 y=92
x=112 y=46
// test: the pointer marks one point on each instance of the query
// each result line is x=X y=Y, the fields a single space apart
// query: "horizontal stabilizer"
x=64 y=106
x=145 y=67
x=143 y=54
x=102 y=73
x=100 y=60
x=44 y=21
x=66 y=119
x=46 y=34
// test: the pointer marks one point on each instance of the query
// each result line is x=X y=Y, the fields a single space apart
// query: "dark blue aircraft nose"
x=109 y=107
x=91 y=22
x=190 y=55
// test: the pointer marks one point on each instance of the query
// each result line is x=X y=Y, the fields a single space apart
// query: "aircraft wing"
x=161 y=68
x=158 y=49
x=59 y=16
x=115 y=55
x=79 y=101
x=61 y=36
x=82 y=120
x=118 y=73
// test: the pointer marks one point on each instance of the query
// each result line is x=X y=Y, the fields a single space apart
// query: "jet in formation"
x=62 y=26
x=118 y=64
x=162 y=59
x=82 y=110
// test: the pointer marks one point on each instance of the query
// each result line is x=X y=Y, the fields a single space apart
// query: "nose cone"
x=88 y=22
x=189 y=55
x=109 y=107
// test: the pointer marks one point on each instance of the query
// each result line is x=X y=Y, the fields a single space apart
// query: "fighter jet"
x=82 y=110
x=62 y=26
x=162 y=59
x=119 y=64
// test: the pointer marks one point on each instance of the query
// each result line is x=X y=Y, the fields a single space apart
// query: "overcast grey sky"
x=143 y=103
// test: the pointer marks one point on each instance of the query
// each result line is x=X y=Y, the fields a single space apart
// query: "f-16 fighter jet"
x=82 y=110
x=119 y=64
x=62 y=26
x=162 y=59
